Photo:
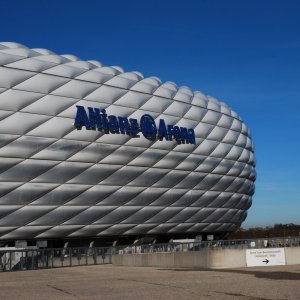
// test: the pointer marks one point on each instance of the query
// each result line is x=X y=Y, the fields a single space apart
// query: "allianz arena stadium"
x=93 y=152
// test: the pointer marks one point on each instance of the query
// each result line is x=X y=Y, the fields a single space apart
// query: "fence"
x=32 y=259
x=14 y=259
x=218 y=244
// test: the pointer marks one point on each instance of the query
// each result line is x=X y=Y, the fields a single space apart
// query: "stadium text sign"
x=96 y=118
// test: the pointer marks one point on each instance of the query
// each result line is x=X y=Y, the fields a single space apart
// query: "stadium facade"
x=90 y=151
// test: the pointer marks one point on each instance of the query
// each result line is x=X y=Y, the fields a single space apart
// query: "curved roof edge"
x=70 y=66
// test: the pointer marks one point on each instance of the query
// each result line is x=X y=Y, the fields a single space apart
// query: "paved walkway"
x=109 y=282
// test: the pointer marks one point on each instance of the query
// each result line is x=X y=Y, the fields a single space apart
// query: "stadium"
x=93 y=153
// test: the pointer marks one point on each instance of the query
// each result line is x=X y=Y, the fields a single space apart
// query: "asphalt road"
x=109 y=282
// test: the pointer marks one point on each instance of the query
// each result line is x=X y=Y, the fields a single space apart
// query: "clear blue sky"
x=246 y=53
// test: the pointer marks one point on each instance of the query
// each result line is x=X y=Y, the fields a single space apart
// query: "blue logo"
x=97 y=119
x=148 y=127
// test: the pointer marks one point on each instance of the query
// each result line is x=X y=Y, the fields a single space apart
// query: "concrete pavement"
x=115 y=283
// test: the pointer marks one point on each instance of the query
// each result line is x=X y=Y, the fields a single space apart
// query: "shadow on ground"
x=274 y=275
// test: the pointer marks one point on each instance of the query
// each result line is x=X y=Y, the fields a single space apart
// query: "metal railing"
x=218 y=244
x=32 y=259
x=14 y=259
